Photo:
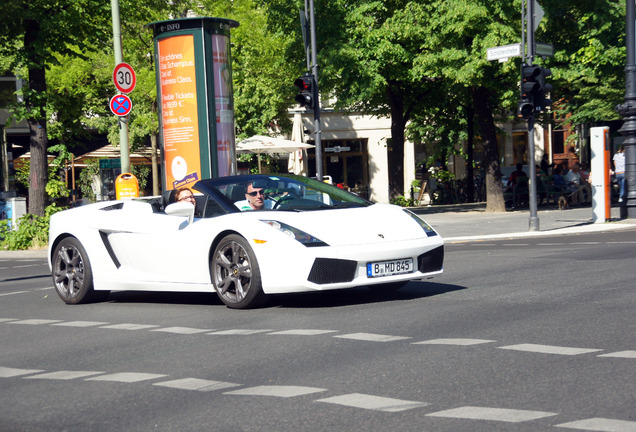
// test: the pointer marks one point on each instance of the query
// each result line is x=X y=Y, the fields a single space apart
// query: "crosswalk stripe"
x=181 y=330
x=240 y=332
x=454 y=341
x=80 y=323
x=7 y=372
x=35 y=321
x=370 y=402
x=494 y=414
x=601 y=425
x=549 y=349
x=620 y=354
x=196 y=384
x=303 y=332
x=372 y=337
x=282 y=391
x=64 y=375
x=127 y=377
x=128 y=326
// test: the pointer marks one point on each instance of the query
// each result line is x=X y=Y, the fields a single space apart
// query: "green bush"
x=32 y=232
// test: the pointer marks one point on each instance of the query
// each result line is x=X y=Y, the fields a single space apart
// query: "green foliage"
x=142 y=172
x=403 y=201
x=86 y=177
x=32 y=232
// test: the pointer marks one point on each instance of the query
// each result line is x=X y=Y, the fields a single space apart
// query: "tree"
x=33 y=32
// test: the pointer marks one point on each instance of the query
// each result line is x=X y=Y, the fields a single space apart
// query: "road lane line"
x=601 y=425
x=80 y=323
x=303 y=332
x=127 y=377
x=371 y=337
x=64 y=375
x=128 y=326
x=282 y=391
x=12 y=293
x=370 y=402
x=494 y=414
x=620 y=354
x=35 y=321
x=239 y=332
x=196 y=384
x=181 y=330
x=549 y=349
x=7 y=372
x=454 y=341
x=7 y=319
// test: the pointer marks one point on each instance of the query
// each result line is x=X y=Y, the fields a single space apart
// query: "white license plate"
x=390 y=268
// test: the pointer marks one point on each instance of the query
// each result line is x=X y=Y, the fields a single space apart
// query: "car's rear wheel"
x=235 y=273
x=72 y=275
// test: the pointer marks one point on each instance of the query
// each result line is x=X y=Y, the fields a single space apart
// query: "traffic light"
x=541 y=101
x=305 y=84
x=525 y=108
x=530 y=90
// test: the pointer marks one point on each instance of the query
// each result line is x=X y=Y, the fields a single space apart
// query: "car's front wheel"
x=72 y=275
x=235 y=273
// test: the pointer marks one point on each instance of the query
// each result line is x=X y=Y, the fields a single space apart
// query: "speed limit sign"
x=124 y=78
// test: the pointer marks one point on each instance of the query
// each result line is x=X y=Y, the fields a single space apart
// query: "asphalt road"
x=517 y=335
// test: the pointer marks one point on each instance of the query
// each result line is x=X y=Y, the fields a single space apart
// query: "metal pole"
x=119 y=58
x=533 y=222
x=628 y=111
x=314 y=69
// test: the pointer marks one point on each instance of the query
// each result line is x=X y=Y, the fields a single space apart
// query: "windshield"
x=284 y=192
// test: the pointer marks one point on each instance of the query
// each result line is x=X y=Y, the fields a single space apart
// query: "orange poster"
x=179 y=114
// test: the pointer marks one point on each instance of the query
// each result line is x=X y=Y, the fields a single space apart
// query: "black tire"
x=235 y=274
x=72 y=274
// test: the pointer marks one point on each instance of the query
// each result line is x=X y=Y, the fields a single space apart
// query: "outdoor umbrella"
x=260 y=144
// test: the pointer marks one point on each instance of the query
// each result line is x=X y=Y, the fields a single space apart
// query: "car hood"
x=363 y=225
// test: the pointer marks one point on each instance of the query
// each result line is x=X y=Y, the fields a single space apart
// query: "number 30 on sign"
x=124 y=78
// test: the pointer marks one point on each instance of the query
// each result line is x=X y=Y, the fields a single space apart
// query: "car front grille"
x=431 y=261
x=329 y=270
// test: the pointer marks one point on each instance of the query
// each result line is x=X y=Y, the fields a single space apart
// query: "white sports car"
x=309 y=236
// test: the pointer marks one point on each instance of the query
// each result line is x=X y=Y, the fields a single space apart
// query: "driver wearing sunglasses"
x=255 y=199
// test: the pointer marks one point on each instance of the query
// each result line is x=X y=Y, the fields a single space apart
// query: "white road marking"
x=196 y=384
x=358 y=400
x=129 y=326
x=452 y=341
x=601 y=425
x=620 y=354
x=35 y=321
x=127 y=377
x=276 y=390
x=181 y=330
x=494 y=414
x=240 y=332
x=7 y=319
x=303 y=332
x=549 y=349
x=80 y=323
x=64 y=375
x=7 y=372
x=371 y=337
x=12 y=293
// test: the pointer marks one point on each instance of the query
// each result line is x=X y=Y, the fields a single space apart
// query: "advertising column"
x=196 y=109
x=600 y=174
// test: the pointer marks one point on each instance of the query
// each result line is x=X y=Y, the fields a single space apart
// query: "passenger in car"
x=184 y=194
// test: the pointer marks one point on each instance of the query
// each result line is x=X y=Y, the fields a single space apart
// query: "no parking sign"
x=120 y=105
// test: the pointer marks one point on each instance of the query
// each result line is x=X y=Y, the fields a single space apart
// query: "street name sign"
x=124 y=78
x=543 y=49
x=120 y=105
x=504 y=52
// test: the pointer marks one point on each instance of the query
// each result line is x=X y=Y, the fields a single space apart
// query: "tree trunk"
x=395 y=147
x=470 y=154
x=488 y=132
x=38 y=139
x=156 y=188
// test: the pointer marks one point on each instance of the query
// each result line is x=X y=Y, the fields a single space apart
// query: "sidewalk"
x=466 y=222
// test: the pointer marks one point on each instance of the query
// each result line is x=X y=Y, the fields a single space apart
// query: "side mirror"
x=181 y=209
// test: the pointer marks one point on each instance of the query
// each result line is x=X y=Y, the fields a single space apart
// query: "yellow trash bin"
x=126 y=186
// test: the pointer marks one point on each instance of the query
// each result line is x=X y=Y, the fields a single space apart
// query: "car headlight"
x=430 y=232
x=299 y=235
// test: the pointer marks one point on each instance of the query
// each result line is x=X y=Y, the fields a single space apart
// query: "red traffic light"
x=305 y=85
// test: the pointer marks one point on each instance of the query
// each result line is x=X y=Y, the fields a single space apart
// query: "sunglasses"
x=258 y=192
